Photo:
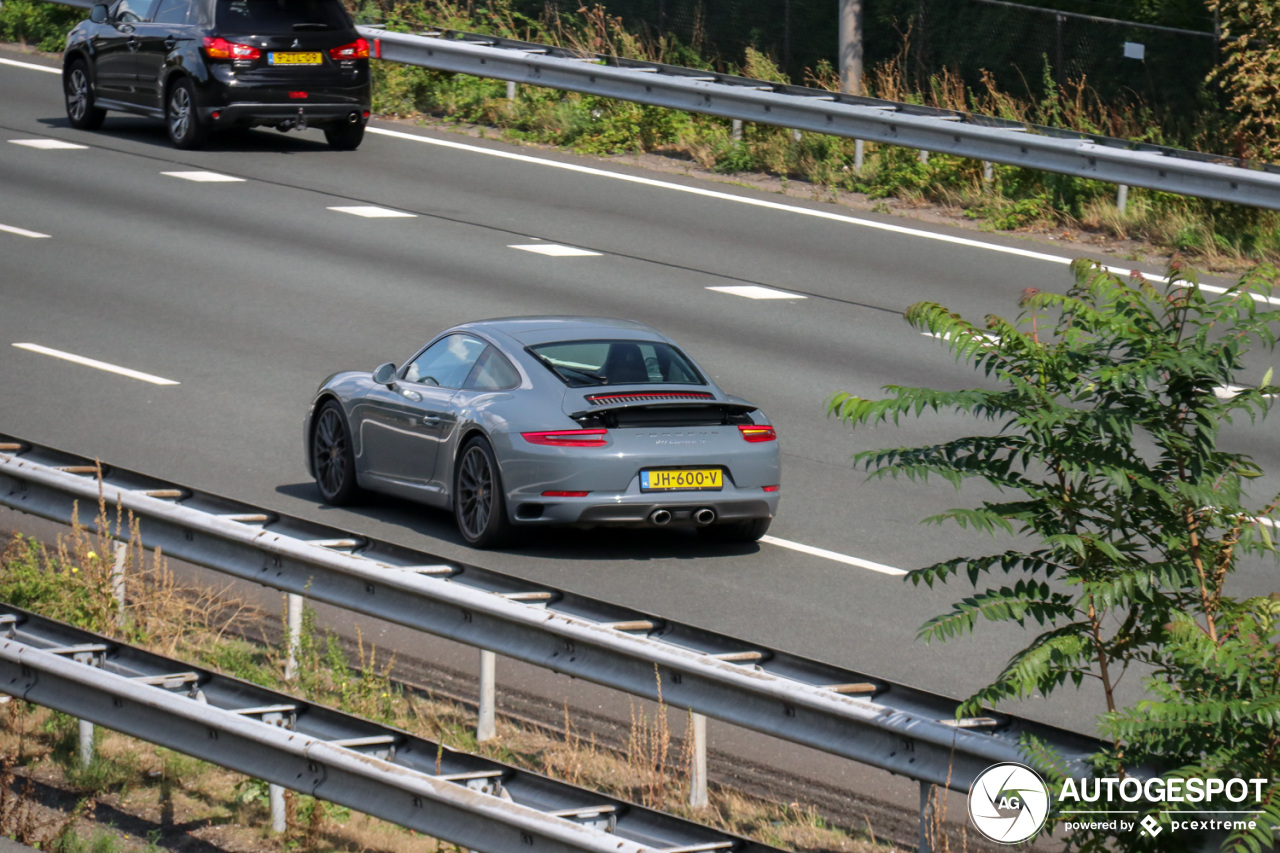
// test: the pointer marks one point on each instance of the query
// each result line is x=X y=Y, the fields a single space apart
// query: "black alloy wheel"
x=478 y=503
x=185 y=128
x=344 y=137
x=81 y=112
x=332 y=458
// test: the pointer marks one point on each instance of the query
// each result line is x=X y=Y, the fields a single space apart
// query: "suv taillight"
x=220 y=48
x=358 y=49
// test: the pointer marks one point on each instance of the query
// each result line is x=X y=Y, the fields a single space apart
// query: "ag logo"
x=1008 y=803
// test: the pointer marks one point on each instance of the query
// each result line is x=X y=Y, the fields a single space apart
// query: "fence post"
x=486 y=725
x=698 y=778
x=293 y=636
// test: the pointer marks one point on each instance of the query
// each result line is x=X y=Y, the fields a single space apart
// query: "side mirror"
x=385 y=374
x=98 y=14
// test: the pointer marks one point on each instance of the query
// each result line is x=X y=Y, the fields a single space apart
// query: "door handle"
x=134 y=41
x=170 y=43
x=433 y=419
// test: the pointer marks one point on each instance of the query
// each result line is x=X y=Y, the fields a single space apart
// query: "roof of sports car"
x=531 y=330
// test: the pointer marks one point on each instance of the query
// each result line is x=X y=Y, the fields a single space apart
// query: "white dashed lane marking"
x=833 y=555
x=755 y=291
x=30 y=66
x=22 y=232
x=49 y=144
x=554 y=250
x=97 y=365
x=204 y=177
x=375 y=212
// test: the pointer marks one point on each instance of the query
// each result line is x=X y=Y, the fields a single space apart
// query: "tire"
x=344 y=137
x=479 y=506
x=332 y=458
x=186 y=131
x=77 y=86
x=736 y=531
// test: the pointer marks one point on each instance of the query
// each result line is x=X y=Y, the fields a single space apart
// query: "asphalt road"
x=248 y=292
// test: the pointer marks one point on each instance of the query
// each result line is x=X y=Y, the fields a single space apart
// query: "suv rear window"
x=280 y=16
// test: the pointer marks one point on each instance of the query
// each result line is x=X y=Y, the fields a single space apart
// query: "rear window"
x=583 y=363
x=280 y=16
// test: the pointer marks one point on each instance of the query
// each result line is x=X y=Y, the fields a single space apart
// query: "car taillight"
x=568 y=437
x=220 y=48
x=358 y=49
x=754 y=432
x=770 y=488
x=565 y=494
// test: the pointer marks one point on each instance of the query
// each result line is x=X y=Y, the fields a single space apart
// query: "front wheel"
x=344 y=137
x=81 y=112
x=478 y=503
x=186 y=131
x=332 y=457
x=737 y=531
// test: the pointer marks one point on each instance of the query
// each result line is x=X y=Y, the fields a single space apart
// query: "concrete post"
x=486 y=726
x=293 y=636
x=275 y=795
x=859 y=154
x=86 y=743
x=117 y=580
x=698 y=778
x=736 y=133
x=511 y=90
x=1122 y=197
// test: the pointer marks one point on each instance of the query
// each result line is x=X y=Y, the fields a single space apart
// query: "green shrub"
x=38 y=24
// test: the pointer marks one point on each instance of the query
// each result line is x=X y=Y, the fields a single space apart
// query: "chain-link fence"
x=1022 y=47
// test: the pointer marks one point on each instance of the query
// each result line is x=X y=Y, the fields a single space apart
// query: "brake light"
x=358 y=49
x=565 y=494
x=770 y=488
x=568 y=437
x=220 y=48
x=755 y=432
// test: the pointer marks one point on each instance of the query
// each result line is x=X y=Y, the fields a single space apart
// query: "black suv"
x=204 y=65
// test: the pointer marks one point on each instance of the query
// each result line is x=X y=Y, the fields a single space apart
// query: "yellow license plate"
x=681 y=479
x=295 y=59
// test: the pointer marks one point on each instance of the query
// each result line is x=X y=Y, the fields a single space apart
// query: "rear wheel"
x=736 y=531
x=478 y=503
x=344 y=137
x=81 y=112
x=185 y=128
x=332 y=458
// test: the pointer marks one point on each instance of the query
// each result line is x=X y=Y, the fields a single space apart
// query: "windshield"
x=582 y=363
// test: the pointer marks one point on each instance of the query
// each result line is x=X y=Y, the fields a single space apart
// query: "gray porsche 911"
x=529 y=421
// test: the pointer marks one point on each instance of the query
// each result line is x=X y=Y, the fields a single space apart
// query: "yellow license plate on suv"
x=295 y=59
x=681 y=479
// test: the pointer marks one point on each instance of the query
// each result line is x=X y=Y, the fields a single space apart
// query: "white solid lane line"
x=204 y=177
x=755 y=291
x=554 y=250
x=22 y=232
x=369 y=212
x=100 y=365
x=30 y=66
x=832 y=555
x=49 y=144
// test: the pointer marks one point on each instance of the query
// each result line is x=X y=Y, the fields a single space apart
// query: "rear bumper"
x=638 y=510
x=273 y=114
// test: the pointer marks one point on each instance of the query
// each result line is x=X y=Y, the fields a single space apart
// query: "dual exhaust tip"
x=701 y=517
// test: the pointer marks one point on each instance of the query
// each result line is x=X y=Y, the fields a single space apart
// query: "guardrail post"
x=736 y=133
x=924 y=156
x=511 y=90
x=1122 y=197
x=988 y=171
x=698 y=778
x=117 y=580
x=293 y=636
x=859 y=154
x=927 y=830
x=86 y=743
x=275 y=795
x=486 y=726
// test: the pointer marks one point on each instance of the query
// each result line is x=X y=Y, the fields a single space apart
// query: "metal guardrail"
x=822 y=111
x=978 y=137
x=842 y=712
x=385 y=772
